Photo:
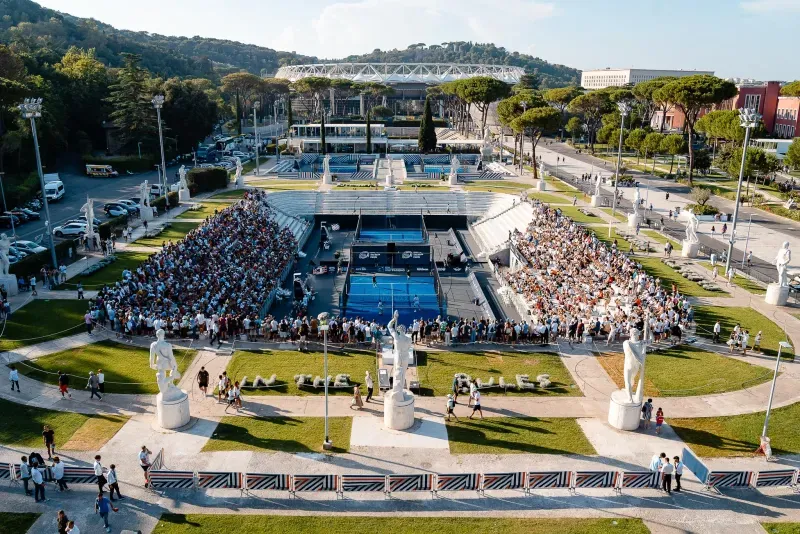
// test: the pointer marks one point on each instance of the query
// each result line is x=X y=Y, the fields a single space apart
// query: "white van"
x=54 y=191
x=156 y=190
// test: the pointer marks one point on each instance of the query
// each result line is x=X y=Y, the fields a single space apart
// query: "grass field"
x=175 y=232
x=554 y=184
x=207 y=209
x=436 y=369
x=618 y=215
x=279 y=434
x=510 y=435
x=738 y=435
x=738 y=280
x=579 y=217
x=685 y=371
x=550 y=199
x=659 y=238
x=781 y=528
x=748 y=318
x=287 y=364
x=285 y=185
x=43 y=320
x=498 y=186
x=310 y=524
x=233 y=194
x=113 y=273
x=16 y=523
x=126 y=365
x=21 y=426
x=655 y=267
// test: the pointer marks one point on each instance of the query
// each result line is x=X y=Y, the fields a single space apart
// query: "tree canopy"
x=591 y=107
x=793 y=154
x=791 y=89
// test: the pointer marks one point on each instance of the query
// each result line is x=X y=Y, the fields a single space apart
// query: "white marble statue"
x=239 y=170
x=163 y=361
x=487 y=139
x=402 y=347
x=542 y=170
x=782 y=263
x=182 y=177
x=597 y=186
x=635 y=353
x=692 y=224
x=390 y=176
x=144 y=194
x=5 y=246
x=326 y=164
x=453 y=169
x=637 y=200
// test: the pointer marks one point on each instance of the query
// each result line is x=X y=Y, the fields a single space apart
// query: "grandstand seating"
x=284 y=165
x=361 y=175
x=412 y=159
x=295 y=224
x=491 y=232
x=307 y=159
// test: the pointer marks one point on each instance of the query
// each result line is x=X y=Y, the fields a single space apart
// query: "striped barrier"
x=313 y=483
x=171 y=479
x=6 y=471
x=548 y=480
x=457 y=482
x=639 y=479
x=410 y=483
x=771 y=479
x=79 y=475
x=595 y=479
x=728 y=479
x=361 y=483
x=502 y=481
x=217 y=480
x=265 y=481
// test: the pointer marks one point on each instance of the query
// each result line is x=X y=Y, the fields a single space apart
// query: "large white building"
x=600 y=79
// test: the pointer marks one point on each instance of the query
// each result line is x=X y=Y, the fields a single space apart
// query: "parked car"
x=115 y=210
x=82 y=219
x=29 y=246
x=31 y=213
x=5 y=221
x=19 y=253
x=22 y=216
x=130 y=204
x=70 y=229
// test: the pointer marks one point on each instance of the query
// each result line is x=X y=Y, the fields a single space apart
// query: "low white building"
x=600 y=79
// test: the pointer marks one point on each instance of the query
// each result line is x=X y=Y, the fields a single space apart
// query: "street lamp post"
x=158 y=103
x=256 y=105
x=624 y=108
x=327 y=444
x=781 y=345
x=524 y=105
x=5 y=207
x=748 y=118
x=747 y=240
x=31 y=108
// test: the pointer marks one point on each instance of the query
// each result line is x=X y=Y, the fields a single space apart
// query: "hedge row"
x=31 y=265
x=122 y=164
x=161 y=202
x=201 y=180
x=106 y=228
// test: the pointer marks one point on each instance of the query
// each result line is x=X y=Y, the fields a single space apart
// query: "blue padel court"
x=392 y=235
x=396 y=292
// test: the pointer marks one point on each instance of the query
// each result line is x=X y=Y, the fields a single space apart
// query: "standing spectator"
x=25 y=474
x=113 y=484
x=62 y=522
x=659 y=420
x=202 y=380
x=745 y=341
x=49 y=439
x=647 y=412
x=13 y=376
x=94 y=385
x=476 y=404
x=58 y=474
x=144 y=462
x=103 y=507
x=62 y=273
x=370 y=386
x=101 y=381
x=80 y=291
x=99 y=473
x=63 y=384
x=38 y=484
x=33 y=286
x=655 y=462
x=678 y=472
x=757 y=342
x=87 y=318
x=451 y=406
x=666 y=475
x=72 y=528
x=455 y=389
x=717 y=330
x=357 y=402
x=221 y=387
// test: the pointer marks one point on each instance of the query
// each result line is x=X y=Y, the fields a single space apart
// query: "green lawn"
x=509 y=435
x=602 y=234
x=16 y=523
x=618 y=215
x=286 y=364
x=207 y=209
x=498 y=186
x=659 y=238
x=576 y=215
x=554 y=184
x=285 y=185
x=284 y=434
x=233 y=194
x=748 y=318
x=128 y=365
x=738 y=280
x=781 y=528
x=308 y=524
x=655 y=267
x=175 y=232
x=436 y=370
x=21 y=426
x=550 y=199
x=112 y=273
x=43 y=320
x=686 y=371
x=738 y=435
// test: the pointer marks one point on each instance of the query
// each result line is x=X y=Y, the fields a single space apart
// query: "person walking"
x=38 y=484
x=455 y=388
x=101 y=381
x=93 y=384
x=370 y=386
x=476 y=404
x=103 y=507
x=357 y=402
x=659 y=420
x=87 y=319
x=63 y=384
x=49 y=439
x=144 y=462
x=99 y=473
x=717 y=330
x=25 y=474
x=757 y=342
x=13 y=377
x=678 y=465
x=647 y=412
x=202 y=381
x=62 y=522
x=666 y=475
x=57 y=471
x=72 y=528
x=450 y=407
x=113 y=484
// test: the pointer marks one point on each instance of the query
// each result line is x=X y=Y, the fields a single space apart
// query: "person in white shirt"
x=678 y=472
x=144 y=462
x=113 y=485
x=25 y=474
x=13 y=376
x=370 y=385
x=476 y=406
x=717 y=330
x=101 y=380
x=38 y=484
x=58 y=474
x=666 y=475
x=98 y=471
x=72 y=528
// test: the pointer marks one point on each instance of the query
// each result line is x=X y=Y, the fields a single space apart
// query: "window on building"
x=752 y=101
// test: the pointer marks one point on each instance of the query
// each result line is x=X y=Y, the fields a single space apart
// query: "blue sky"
x=734 y=38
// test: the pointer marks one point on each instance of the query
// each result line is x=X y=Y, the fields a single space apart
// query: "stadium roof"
x=390 y=73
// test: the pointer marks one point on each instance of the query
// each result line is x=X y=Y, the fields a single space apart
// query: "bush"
x=104 y=230
x=122 y=164
x=700 y=195
x=704 y=209
x=201 y=180
x=33 y=264
x=161 y=202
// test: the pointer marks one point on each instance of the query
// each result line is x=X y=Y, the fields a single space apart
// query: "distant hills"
x=46 y=34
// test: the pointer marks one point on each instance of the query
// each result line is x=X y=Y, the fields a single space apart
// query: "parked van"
x=156 y=190
x=54 y=191
x=101 y=170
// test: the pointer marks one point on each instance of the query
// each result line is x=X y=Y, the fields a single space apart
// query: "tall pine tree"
x=369 y=134
x=322 y=147
x=132 y=110
x=427 y=130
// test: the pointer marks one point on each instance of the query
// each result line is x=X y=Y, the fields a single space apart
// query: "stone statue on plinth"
x=390 y=176
x=692 y=223
x=454 y=170
x=597 y=186
x=238 y=179
x=183 y=185
x=637 y=200
x=144 y=194
x=5 y=247
x=782 y=264
x=172 y=403
x=625 y=406
x=398 y=403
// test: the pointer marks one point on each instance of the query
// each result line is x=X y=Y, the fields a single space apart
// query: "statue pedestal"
x=689 y=250
x=633 y=221
x=486 y=152
x=454 y=179
x=184 y=195
x=398 y=410
x=240 y=182
x=9 y=281
x=389 y=182
x=595 y=201
x=777 y=295
x=541 y=185
x=145 y=213
x=172 y=413
x=623 y=414
x=327 y=178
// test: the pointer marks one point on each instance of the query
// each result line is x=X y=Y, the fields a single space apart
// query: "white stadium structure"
x=400 y=73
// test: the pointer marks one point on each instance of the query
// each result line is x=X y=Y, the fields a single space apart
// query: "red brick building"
x=787 y=117
x=762 y=97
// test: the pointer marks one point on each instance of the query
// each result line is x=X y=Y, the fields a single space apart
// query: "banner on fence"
x=79 y=475
x=779 y=477
x=314 y=483
x=639 y=479
x=266 y=481
x=457 y=482
x=549 y=479
x=6 y=471
x=361 y=483
x=595 y=479
x=158 y=461
x=503 y=481
x=216 y=480
x=693 y=464
x=728 y=479
x=171 y=479
x=410 y=483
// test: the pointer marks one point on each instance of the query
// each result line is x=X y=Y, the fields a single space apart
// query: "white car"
x=240 y=155
x=128 y=203
x=29 y=246
x=71 y=228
